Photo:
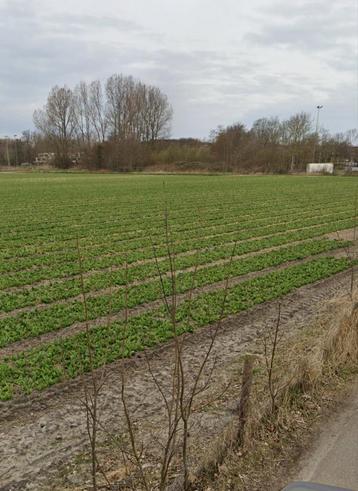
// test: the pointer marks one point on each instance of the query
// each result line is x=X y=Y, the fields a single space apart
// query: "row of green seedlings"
x=60 y=315
x=90 y=233
x=66 y=358
x=71 y=287
x=111 y=245
x=27 y=277
x=118 y=218
x=94 y=238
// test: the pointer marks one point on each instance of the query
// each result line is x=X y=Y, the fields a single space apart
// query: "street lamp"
x=16 y=154
x=316 y=132
x=7 y=150
x=317 y=118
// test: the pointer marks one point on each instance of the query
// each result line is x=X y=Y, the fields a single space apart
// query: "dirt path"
x=334 y=457
x=40 y=433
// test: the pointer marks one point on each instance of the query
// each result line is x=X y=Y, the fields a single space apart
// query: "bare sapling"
x=92 y=385
x=136 y=450
x=180 y=392
x=185 y=385
x=186 y=403
x=171 y=400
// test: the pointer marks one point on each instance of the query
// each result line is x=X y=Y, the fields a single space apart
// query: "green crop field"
x=216 y=227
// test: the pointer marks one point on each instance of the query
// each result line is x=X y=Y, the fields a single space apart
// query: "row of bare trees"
x=123 y=109
x=281 y=146
x=123 y=124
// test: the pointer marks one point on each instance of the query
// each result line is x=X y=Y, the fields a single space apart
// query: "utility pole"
x=316 y=133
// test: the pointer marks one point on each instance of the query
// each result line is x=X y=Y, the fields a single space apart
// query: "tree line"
x=124 y=124
x=272 y=145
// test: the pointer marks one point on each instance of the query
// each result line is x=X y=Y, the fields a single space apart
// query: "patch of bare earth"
x=349 y=234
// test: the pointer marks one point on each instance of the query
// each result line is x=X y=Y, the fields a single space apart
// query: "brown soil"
x=349 y=234
x=41 y=433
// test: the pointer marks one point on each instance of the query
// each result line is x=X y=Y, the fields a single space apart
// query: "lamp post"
x=316 y=132
x=16 y=154
x=7 y=150
x=317 y=118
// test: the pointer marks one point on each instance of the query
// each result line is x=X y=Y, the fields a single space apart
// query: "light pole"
x=316 y=132
x=317 y=118
x=16 y=154
x=7 y=150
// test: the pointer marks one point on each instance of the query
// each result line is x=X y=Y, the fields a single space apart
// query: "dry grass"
x=311 y=371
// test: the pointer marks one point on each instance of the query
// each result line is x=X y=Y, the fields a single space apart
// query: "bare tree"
x=97 y=108
x=298 y=127
x=117 y=93
x=352 y=136
x=267 y=130
x=57 y=121
x=158 y=114
x=82 y=113
x=229 y=144
x=135 y=110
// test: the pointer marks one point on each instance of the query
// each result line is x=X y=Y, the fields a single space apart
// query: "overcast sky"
x=219 y=61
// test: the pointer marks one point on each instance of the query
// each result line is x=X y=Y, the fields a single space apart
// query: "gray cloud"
x=280 y=61
x=85 y=22
x=309 y=25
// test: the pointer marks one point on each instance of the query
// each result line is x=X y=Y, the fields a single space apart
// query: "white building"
x=326 y=168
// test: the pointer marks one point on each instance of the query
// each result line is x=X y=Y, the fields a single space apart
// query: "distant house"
x=351 y=166
x=44 y=158
x=324 y=168
x=47 y=158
